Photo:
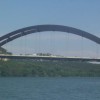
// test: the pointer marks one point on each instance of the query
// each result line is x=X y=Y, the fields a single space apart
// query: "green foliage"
x=47 y=68
x=4 y=51
x=44 y=54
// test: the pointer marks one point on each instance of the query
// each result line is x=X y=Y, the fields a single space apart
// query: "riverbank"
x=29 y=68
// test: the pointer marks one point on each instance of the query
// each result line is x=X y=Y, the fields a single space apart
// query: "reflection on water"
x=94 y=62
x=42 y=88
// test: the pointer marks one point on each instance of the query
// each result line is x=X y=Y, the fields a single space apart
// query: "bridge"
x=5 y=39
x=53 y=58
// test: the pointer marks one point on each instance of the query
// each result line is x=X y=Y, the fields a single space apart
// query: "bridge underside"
x=41 y=58
x=40 y=28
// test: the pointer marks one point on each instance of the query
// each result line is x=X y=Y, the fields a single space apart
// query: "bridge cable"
x=38 y=49
x=25 y=44
x=50 y=43
x=97 y=50
x=6 y=46
x=82 y=47
x=68 y=44
x=52 y=38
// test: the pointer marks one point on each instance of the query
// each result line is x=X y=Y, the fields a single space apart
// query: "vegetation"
x=48 y=68
x=44 y=54
x=4 y=51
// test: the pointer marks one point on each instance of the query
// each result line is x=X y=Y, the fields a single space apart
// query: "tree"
x=4 y=51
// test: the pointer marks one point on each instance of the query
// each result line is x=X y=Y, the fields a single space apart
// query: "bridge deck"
x=49 y=58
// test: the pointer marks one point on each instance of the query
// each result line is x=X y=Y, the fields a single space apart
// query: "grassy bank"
x=48 y=68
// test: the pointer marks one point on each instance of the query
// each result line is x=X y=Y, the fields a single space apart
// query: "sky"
x=81 y=14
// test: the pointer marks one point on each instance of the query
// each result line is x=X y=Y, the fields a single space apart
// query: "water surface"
x=42 y=88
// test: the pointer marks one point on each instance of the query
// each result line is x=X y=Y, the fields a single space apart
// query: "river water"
x=46 y=88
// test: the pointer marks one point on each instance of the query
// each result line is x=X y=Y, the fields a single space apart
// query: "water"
x=40 y=88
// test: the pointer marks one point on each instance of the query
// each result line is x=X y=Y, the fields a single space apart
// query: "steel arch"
x=40 y=28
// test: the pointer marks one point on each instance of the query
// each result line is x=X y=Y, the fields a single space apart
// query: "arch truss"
x=40 y=28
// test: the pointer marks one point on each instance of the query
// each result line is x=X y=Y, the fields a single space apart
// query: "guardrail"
x=49 y=58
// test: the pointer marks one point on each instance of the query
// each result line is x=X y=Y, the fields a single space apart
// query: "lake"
x=48 y=88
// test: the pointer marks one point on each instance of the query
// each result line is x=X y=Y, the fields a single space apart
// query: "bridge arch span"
x=40 y=28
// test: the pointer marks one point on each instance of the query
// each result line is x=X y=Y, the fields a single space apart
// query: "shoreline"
x=19 y=68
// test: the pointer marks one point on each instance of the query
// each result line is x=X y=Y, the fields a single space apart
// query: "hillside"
x=32 y=68
x=4 y=51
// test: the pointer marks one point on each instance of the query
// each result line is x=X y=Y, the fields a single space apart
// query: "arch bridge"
x=40 y=28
